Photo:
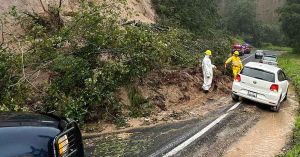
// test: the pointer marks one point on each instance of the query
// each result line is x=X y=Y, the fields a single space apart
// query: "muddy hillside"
x=140 y=10
x=176 y=95
x=161 y=95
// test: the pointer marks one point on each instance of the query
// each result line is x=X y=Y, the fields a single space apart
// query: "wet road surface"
x=270 y=134
x=250 y=130
x=253 y=130
x=153 y=141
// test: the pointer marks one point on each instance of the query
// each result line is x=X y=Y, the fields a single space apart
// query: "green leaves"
x=100 y=57
x=70 y=73
x=290 y=22
x=195 y=15
x=139 y=106
x=13 y=91
x=92 y=55
x=290 y=63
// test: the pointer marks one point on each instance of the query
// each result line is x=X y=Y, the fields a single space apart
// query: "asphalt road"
x=163 y=139
x=219 y=139
x=251 y=57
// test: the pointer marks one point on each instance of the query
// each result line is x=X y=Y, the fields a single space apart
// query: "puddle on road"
x=270 y=134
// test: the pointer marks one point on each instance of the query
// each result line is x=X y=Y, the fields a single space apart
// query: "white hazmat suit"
x=207 y=69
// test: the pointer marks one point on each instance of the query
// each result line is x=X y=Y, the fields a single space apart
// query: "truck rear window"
x=258 y=74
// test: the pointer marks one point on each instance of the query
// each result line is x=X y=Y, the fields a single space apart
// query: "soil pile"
x=170 y=89
x=177 y=95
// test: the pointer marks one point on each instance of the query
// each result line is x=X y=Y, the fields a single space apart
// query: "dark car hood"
x=24 y=116
x=26 y=141
x=27 y=134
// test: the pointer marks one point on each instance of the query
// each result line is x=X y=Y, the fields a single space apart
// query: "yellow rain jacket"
x=237 y=64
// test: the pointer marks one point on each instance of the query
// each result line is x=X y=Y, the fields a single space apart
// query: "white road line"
x=200 y=133
x=196 y=136
x=247 y=57
x=234 y=106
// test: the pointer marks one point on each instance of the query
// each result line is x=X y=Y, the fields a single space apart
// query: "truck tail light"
x=274 y=87
x=238 y=78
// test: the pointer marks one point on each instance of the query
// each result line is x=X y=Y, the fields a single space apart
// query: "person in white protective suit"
x=207 y=69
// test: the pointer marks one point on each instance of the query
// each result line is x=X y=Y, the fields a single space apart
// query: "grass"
x=237 y=40
x=291 y=65
x=268 y=46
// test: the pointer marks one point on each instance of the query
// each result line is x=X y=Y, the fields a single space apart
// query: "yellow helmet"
x=236 y=53
x=208 y=52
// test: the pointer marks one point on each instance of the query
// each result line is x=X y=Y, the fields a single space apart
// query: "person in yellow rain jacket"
x=236 y=62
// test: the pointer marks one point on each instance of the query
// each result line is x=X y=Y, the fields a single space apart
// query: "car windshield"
x=258 y=74
x=270 y=58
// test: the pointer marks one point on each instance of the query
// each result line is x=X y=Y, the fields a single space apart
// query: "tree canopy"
x=195 y=15
x=290 y=22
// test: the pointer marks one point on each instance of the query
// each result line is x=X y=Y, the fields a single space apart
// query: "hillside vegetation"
x=290 y=23
x=195 y=15
x=290 y=62
x=87 y=57
x=247 y=19
x=77 y=61
x=266 y=10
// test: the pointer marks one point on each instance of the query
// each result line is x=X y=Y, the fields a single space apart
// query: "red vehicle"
x=238 y=47
x=246 y=48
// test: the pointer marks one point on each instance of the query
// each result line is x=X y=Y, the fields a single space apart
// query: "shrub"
x=290 y=63
x=290 y=22
x=198 y=16
x=13 y=91
x=272 y=34
x=139 y=106
x=91 y=55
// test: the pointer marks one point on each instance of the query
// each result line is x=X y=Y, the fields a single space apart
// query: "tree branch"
x=44 y=7
x=24 y=78
x=2 y=33
x=60 y=3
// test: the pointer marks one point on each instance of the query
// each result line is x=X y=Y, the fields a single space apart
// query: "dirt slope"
x=143 y=10
x=176 y=95
x=140 y=10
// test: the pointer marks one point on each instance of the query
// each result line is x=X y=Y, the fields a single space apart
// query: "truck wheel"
x=235 y=97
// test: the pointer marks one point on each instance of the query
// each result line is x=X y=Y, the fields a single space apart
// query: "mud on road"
x=146 y=141
x=250 y=130
x=269 y=136
x=216 y=141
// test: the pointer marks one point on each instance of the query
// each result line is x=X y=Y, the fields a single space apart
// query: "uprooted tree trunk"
x=2 y=33
x=52 y=20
